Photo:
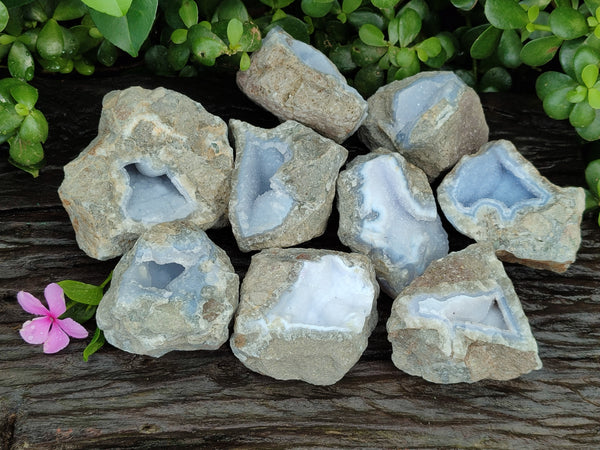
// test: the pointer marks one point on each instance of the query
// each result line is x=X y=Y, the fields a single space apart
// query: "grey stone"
x=461 y=321
x=283 y=184
x=305 y=314
x=432 y=119
x=498 y=196
x=158 y=157
x=174 y=290
x=295 y=81
x=388 y=212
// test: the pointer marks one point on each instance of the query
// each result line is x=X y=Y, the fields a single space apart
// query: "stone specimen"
x=498 y=196
x=174 y=290
x=295 y=81
x=432 y=119
x=305 y=313
x=283 y=184
x=158 y=157
x=461 y=321
x=388 y=212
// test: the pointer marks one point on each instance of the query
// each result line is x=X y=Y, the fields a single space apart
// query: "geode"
x=283 y=184
x=295 y=81
x=461 y=321
x=305 y=314
x=159 y=156
x=388 y=212
x=498 y=196
x=432 y=119
x=174 y=290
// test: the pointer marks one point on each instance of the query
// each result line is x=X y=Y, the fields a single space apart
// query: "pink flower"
x=50 y=330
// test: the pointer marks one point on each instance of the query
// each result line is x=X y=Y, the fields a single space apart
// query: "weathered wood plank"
x=208 y=399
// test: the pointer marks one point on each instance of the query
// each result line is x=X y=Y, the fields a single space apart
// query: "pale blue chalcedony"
x=394 y=222
x=263 y=200
x=154 y=196
x=411 y=103
x=486 y=312
x=494 y=179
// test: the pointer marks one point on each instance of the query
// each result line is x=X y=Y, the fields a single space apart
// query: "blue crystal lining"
x=496 y=180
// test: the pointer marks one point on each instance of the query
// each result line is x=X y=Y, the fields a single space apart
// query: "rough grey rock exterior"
x=388 y=212
x=498 y=196
x=158 y=156
x=295 y=81
x=174 y=290
x=305 y=314
x=461 y=321
x=283 y=184
x=432 y=119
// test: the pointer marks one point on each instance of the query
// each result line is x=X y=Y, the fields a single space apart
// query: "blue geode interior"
x=495 y=179
x=412 y=102
x=263 y=201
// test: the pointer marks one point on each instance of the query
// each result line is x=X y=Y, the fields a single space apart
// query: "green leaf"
x=95 y=344
x=277 y=3
x=540 y=51
x=69 y=10
x=594 y=98
x=9 y=121
x=368 y=79
x=20 y=62
x=179 y=36
x=84 y=67
x=316 y=8
x=189 y=13
x=50 y=42
x=25 y=94
x=577 y=95
x=568 y=23
x=361 y=16
x=79 y=312
x=205 y=45
x=589 y=75
x=509 y=49
x=349 y=6
x=409 y=26
x=583 y=57
x=497 y=79
x=178 y=56
x=431 y=46
x=591 y=132
x=582 y=115
x=244 y=62
x=591 y=202
x=229 y=9
x=107 y=53
x=557 y=105
x=34 y=127
x=592 y=176
x=24 y=152
x=235 y=30
x=293 y=26
x=341 y=56
x=465 y=5
x=157 y=60
x=130 y=31
x=79 y=292
x=393 y=29
x=381 y=4
x=115 y=8
x=366 y=55
x=3 y=16
x=487 y=42
x=251 y=39
x=371 y=35
x=505 y=14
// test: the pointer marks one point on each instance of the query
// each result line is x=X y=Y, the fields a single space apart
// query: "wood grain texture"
x=210 y=400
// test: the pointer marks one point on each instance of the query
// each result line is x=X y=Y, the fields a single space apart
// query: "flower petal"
x=31 y=304
x=57 y=340
x=36 y=331
x=72 y=328
x=56 y=299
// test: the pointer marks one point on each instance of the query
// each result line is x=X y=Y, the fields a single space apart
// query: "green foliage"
x=82 y=301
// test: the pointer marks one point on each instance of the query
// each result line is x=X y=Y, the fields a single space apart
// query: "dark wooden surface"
x=210 y=400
